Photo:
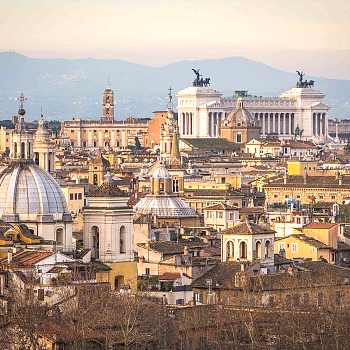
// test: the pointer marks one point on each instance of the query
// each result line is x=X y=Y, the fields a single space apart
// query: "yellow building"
x=98 y=168
x=209 y=185
x=4 y=139
x=235 y=180
x=301 y=246
x=308 y=189
x=300 y=167
x=74 y=196
x=326 y=232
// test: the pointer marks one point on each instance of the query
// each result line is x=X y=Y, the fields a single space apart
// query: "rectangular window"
x=252 y=302
x=147 y=271
x=232 y=216
x=298 y=221
x=312 y=250
x=281 y=246
x=286 y=196
x=72 y=131
x=288 y=300
x=320 y=197
x=294 y=247
x=41 y=294
x=84 y=131
x=180 y=301
x=297 y=298
x=275 y=196
x=333 y=197
x=75 y=196
x=320 y=299
x=71 y=196
x=333 y=257
x=80 y=195
x=198 y=297
x=337 y=298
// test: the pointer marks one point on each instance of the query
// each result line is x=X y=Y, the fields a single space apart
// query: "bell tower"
x=108 y=105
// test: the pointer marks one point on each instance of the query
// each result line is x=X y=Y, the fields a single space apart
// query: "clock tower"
x=108 y=105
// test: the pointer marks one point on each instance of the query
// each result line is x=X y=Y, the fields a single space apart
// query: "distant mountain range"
x=68 y=89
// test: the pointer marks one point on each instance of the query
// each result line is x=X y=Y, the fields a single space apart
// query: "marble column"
x=290 y=124
x=263 y=123
x=278 y=123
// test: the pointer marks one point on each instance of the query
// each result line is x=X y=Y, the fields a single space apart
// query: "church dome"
x=164 y=206
x=161 y=173
x=240 y=115
x=26 y=188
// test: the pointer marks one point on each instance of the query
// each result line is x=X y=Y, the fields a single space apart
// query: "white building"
x=201 y=110
x=30 y=195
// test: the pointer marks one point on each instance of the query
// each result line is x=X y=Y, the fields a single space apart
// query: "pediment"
x=319 y=105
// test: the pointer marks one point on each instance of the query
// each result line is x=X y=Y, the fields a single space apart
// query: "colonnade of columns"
x=187 y=123
x=46 y=160
x=319 y=125
x=280 y=123
x=214 y=123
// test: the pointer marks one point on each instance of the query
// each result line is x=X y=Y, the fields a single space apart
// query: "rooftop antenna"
x=108 y=82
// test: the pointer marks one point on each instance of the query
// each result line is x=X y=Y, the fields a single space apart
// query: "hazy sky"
x=312 y=35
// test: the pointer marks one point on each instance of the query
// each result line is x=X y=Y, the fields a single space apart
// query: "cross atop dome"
x=21 y=110
x=170 y=103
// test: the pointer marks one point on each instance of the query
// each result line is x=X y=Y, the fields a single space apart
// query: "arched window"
x=122 y=239
x=243 y=250
x=175 y=185
x=258 y=250
x=230 y=252
x=95 y=179
x=95 y=233
x=23 y=153
x=59 y=236
x=267 y=249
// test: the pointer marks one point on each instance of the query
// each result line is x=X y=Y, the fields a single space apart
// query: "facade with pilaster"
x=202 y=111
x=104 y=132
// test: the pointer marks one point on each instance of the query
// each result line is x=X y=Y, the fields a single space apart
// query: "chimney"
x=9 y=256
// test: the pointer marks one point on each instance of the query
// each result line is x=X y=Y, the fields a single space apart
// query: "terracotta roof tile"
x=247 y=228
x=319 y=225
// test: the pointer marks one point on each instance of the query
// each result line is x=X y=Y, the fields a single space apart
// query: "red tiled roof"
x=169 y=276
x=28 y=257
x=320 y=225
